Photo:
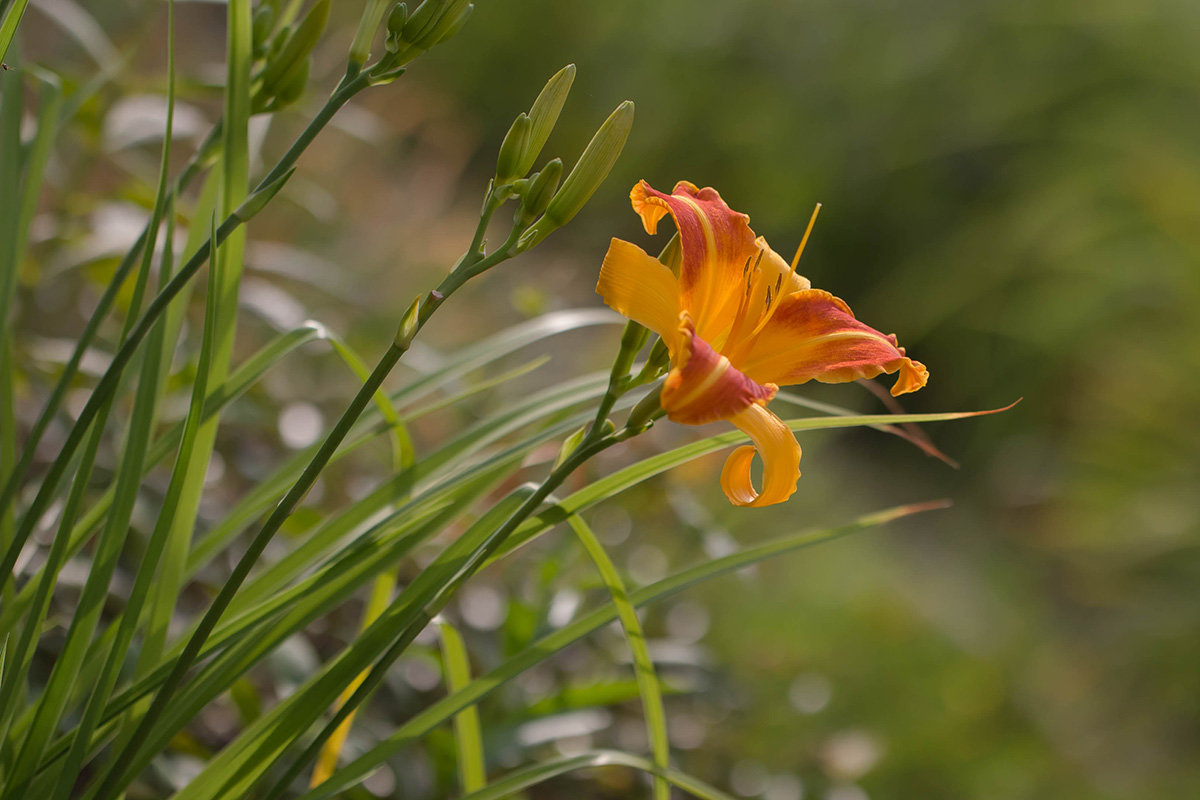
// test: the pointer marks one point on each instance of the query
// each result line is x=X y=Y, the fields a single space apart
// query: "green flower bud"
x=648 y=409
x=291 y=86
x=544 y=114
x=453 y=24
x=589 y=172
x=514 y=144
x=264 y=21
x=299 y=44
x=397 y=17
x=434 y=21
x=421 y=19
x=541 y=190
x=368 y=23
x=409 y=325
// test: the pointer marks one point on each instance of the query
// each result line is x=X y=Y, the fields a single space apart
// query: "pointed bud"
x=648 y=409
x=368 y=23
x=541 y=190
x=659 y=358
x=264 y=21
x=515 y=142
x=453 y=24
x=422 y=19
x=589 y=172
x=261 y=196
x=435 y=21
x=299 y=44
x=396 y=18
x=291 y=86
x=409 y=325
x=544 y=114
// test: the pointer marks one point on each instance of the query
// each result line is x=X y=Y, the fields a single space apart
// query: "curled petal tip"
x=780 y=452
x=647 y=206
x=912 y=376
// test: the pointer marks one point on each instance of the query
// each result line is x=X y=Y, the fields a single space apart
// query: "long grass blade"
x=647 y=678
x=444 y=709
x=8 y=24
x=540 y=773
x=468 y=732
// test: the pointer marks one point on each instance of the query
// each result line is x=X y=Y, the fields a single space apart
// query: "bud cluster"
x=433 y=22
x=286 y=55
x=545 y=205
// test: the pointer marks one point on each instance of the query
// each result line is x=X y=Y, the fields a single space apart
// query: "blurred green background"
x=1011 y=187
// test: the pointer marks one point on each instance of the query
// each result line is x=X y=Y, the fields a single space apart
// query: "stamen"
x=799 y=250
x=770 y=306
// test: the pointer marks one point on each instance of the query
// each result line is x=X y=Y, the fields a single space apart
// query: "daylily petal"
x=768 y=279
x=780 y=452
x=703 y=386
x=813 y=334
x=717 y=244
x=638 y=286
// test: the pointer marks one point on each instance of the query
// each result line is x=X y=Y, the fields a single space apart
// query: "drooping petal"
x=780 y=452
x=703 y=386
x=813 y=334
x=717 y=245
x=638 y=286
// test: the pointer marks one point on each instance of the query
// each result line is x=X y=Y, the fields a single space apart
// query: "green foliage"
x=177 y=448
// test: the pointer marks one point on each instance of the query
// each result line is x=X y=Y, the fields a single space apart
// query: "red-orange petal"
x=703 y=386
x=716 y=242
x=776 y=445
x=814 y=335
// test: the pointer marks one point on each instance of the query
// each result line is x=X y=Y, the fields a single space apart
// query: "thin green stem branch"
x=109 y=381
x=282 y=511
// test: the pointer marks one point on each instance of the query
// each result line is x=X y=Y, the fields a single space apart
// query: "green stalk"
x=285 y=508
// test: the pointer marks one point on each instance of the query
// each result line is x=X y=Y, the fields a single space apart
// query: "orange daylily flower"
x=739 y=322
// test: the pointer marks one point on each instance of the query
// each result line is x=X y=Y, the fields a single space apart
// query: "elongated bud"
x=453 y=25
x=421 y=20
x=264 y=20
x=588 y=173
x=648 y=409
x=368 y=23
x=658 y=360
x=541 y=190
x=515 y=141
x=259 y=199
x=408 y=325
x=396 y=18
x=434 y=21
x=299 y=44
x=291 y=86
x=544 y=114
